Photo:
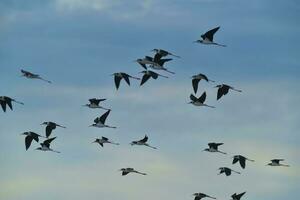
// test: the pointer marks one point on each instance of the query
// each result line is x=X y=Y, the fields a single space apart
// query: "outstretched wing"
x=117 y=81
x=28 y=140
x=202 y=97
x=48 y=141
x=193 y=98
x=103 y=117
x=210 y=34
x=126 y=78
x=8 y=101
x=222 y=91
x=3 y=105
x=235 y=159
x=104 y=138
x=153 y=74
x=145 y=78
x=145 y=139
x=49 y=129
x=195 y=83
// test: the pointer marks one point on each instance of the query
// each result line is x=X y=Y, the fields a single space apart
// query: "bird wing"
x=28 y=140
x=222 y=91
x=103 y=117
x=49 y=129
x=117 y=81
x=153 y=74
x=27 y=72
x=145 y=139
x=233 y=196
x=235 y=159
x=157 y=57
x=202 y=97
x=161 y=62
x=195 y=83
x=145 y=78
x=227 y=171
x=35 y=136
x=104 y=138
x=243 y=162
x=8 y=101
x=3 y=105
x=204 y=77
x=277 y=160
x=197 y=198
x=48 y=141
x=193 y=98
x=240 y=195
x=124 y=173
x=210 y=34
x=96 y=101
x=126 y=78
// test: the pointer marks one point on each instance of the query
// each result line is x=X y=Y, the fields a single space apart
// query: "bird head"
x=155 y=50
x=86 y=105
x=122 y=169
x=133 y=143
x=207 y=149
x=92 y=125
x=39 y=148
x=197 y=41
x=25 y=133
x=218 y=86
x=44 y=123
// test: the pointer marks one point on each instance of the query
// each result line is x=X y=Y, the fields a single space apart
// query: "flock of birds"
x=156 y=63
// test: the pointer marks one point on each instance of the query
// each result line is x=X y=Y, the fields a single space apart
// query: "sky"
x=78 y=44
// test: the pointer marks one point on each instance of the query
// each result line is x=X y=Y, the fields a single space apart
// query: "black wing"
x=49 y=129
x=243 y=162
x=195 y=83
x=117 y=81
x=126 y=78
x=239 y=195
x=8 y=101
x=222 y=91
x=145 y=139
x=103 y=117
x=35 y=136
x=193 y=98
x=124 y=173
x=27 y=73
x=157 y=57
x=161 y=62
x=28 y=140
x=235 y=159
x=153 y=74
x=202 y=98
x=3 y=105
x=210 y=34
x=48 y=141
x=227 y=171
x=145 y=78
x=96 y=101
x=104 y=138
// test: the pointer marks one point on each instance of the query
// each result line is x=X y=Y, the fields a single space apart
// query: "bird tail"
x=211 y=197
x=55 y=151
x=114 y=143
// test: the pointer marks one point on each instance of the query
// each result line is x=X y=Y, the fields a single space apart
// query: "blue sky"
x=77 y=44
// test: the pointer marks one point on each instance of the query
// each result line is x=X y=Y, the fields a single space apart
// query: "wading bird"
x=213 y=147
x=237 y=196
x=128 y=170
x=163 y=53
x=199 y=196
x=208 y=37
x=121 y=75
x=197 y=78
x=227 y=171
x=94 y=103
x=30 y=75
x=142 y=142
x=150 y=74
x=199 y=101
x=100 y=121
x=4 y=100
x=154 y=64
x=103 y=140
x=45 y=146
x=241 y=159
x=50 y=126
x=223 y=90
x=276 y=162
x=29 y=137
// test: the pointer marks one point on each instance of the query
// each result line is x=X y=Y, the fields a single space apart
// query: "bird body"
x=5 y=100
x=30 y=75
x=227 y=171
x=94 y=103
x=199 y=101
x=128 y=170
x=276 y=163
x=104 y=140
x=213 y=147
x=100 y=121
x=142 y=142
x=51 y=126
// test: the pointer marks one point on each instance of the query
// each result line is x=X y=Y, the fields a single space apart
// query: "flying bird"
x=29 y=137
x=276 y=162
x=241 y=159
x=121 y=75
x=103 y=140
x=100 y=121
x=50 y=126
x=94 y=103
x=150 y=74
x=237 y=196
x=128 y=170
x=162 y=53
x=197 y=78
x=213 y=147
x=142 y=142
x=199 y=196
x=45 y=146
x=4 y=100
x=30 y=75
x=199 y=101
x=208 y=37
x=227 y=171
x=223 y=89
x=154 y=63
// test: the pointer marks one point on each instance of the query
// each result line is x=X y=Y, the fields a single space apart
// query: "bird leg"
x=19 y=102
x=209 y=106
x=221 y=152
x=236 y=172
x=44 y=80
x=150 y=146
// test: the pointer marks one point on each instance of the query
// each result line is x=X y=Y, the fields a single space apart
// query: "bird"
x=4 y=100
x=199 y=101
x=128 y=170
x=208 y=37
x=199 y=196
x=150 y=74
x=237 y=196
x=213 y=147
x=276 y=162
x=29 y=137
x=45 y=146
x=30 y=75
x=227 y=171
x=163 y=53
x=94 y=103
x=121 y=75
x=241 y=159
x=100 y=121
x=142 y=142
x=154 y=64
x=223 y=90
x=103 y=140
x=51 y=126
x=197 y=78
